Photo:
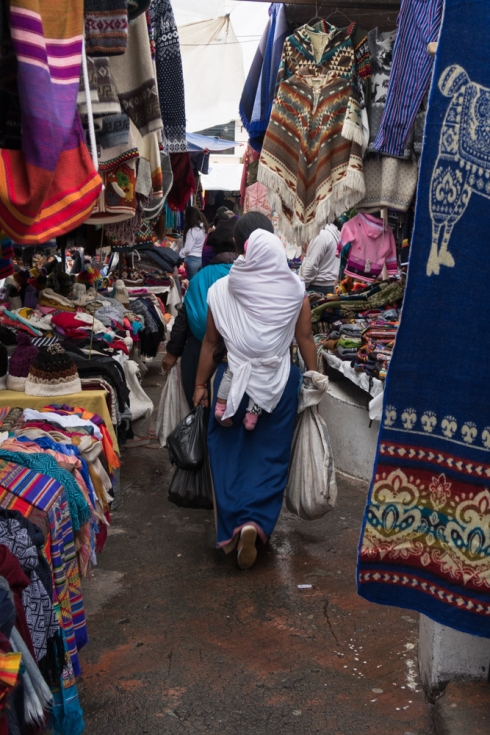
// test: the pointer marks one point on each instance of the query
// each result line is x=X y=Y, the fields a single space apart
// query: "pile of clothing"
x=359 y=328
x=57 y=470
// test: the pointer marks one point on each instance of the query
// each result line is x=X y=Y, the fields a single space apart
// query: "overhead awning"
x=197 y=143
x=223 y=177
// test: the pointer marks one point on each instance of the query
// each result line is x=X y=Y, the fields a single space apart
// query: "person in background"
x=195 y=231
x=320 y=267
x=258 y=310
x=222 y=215
x=190 y=323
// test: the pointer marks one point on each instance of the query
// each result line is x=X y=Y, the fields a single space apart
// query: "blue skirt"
x=250 y=468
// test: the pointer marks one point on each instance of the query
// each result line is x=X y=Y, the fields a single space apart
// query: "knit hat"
x=53 y=373
x=121 y=293
x=79 y=293
x=4 y=363
x=22 y=358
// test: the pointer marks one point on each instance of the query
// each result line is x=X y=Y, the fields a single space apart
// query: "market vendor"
x=320 y=267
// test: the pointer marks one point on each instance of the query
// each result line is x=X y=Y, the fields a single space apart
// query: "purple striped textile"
x=49 y=77
x=418 y=25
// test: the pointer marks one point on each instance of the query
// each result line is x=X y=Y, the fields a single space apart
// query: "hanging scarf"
x=259 y=90
x=49 y=187
x=170 y=75
x=255 y=310
x=38 y=607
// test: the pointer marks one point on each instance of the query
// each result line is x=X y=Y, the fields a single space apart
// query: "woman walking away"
x=257 y=310
x=195 y=231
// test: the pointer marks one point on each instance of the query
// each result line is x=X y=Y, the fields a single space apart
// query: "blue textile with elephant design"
x=425 y=542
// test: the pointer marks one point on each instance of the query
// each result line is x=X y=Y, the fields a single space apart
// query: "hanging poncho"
x=311 y=159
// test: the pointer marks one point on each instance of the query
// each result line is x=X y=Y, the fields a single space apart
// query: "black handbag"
x=187 y=443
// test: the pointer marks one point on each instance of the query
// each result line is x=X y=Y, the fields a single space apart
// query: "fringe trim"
x=276 y=184
x=351 y=131
x=345 y=195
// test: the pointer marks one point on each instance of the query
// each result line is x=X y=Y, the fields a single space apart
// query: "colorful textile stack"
x=49 y=187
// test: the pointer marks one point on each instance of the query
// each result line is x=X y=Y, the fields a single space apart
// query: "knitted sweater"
x=372 y=247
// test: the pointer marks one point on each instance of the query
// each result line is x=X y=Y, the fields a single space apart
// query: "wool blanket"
x=260 y=86
x=170 y=75
x=425 y=541
x=49 y=187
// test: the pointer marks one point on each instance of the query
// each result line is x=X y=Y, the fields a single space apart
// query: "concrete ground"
x=182 y=641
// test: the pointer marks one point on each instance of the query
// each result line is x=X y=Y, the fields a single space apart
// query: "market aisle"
x=182 y=641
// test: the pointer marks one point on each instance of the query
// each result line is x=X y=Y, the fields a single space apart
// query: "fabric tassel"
x=37 y=695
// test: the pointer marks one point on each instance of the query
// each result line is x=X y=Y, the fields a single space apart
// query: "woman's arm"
x=304 y=337
x=207 y=365
x=177 y=341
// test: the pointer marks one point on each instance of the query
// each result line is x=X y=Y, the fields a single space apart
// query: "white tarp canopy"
x=213 y=73
x=223 y=177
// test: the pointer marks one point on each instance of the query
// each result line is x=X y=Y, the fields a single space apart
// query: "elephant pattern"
x=463 y=163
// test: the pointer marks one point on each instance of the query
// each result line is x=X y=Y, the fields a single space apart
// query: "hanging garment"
x=311 y=159
x=106 y=27
x=381 y=59
x=255 y=310
x=390 y=183
x=418 y=25
x=424 y=542
x=170 y=77
x=184 y=182
x=40 y=616
x=256 y=200
x=372 y=247
x=134 y=79
x=103 y=92
x=49 y=187
x=260 y=86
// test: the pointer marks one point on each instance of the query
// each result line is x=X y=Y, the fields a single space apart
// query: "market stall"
x=95 y=172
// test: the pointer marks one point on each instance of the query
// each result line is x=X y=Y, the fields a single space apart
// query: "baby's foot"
x=219 y=412
x=250 y=420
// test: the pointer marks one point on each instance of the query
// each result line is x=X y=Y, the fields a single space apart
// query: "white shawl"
x=255 y=310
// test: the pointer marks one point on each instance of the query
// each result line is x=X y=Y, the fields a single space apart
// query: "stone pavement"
x=182 y=641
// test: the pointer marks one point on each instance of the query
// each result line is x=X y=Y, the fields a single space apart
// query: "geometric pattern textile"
x=425 y=542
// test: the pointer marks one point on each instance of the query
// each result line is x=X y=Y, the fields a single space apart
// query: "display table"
x=91 y=400
x=373 y=386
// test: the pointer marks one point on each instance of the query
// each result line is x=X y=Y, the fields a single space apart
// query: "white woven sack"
x=312 y=486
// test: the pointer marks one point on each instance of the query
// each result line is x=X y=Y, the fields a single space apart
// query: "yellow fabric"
x=91 y=400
